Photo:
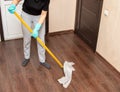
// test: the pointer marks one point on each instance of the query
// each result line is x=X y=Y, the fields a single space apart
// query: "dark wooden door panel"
x=88 y=20
x=91 y=5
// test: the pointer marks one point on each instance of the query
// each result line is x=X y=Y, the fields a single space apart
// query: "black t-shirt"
x=35 y=7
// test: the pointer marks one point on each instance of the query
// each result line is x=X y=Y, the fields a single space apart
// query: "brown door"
x=88 y=15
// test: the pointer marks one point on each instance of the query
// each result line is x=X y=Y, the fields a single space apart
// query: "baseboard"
x=108 y=64
x=60 y=32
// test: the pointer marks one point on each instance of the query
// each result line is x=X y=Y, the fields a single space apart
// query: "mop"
x=67 y=67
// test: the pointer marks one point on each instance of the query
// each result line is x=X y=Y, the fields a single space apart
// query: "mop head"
x=68 y=69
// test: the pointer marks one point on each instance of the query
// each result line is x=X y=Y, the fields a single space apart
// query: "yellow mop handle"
x=39 y=40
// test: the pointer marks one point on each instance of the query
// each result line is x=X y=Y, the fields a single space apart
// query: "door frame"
x=1 y=29
x=77 y=17
x=47 y=22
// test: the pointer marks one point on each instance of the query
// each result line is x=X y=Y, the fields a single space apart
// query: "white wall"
x=61 y=15
x=108 y=44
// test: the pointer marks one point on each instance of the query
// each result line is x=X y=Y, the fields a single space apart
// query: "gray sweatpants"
x=32 y=20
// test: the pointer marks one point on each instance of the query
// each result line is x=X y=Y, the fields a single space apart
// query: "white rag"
x=68 y=68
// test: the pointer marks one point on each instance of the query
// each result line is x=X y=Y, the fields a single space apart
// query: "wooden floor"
x=92 y=73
